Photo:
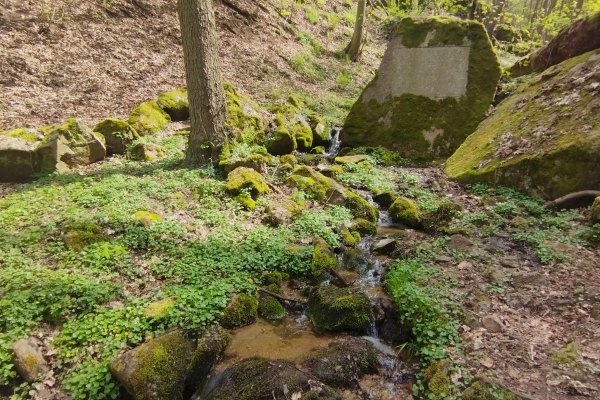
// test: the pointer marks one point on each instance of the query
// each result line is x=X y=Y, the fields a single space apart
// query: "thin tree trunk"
x=205 y=86
x=353 y=49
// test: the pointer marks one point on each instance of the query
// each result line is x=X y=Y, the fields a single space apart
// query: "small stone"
x=384 y=246
x=492 y=324
x=487 y=362
x=28 y=360
x=464 y=265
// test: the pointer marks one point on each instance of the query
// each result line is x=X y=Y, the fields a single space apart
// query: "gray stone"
x=28 y=360
x=17 y=160
x=492 y=324
x=384 y=246
x=434 y=85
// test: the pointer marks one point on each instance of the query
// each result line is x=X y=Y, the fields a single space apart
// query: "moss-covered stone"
x=28 y=360
x=595 y=211
x=156 y=369
x=146 y=218
x=364 y=227
x=257 y=378
x=303 y=135
x=159 y=309
x=242 y=310
x=435 y=84
x=289 y=159
x=147 y=152
x=437 y=379
x=270 y=308
x=242 y=113
x=148 y=118
x=27 y=135
x=175 y=103
x=275 y=278
x=232 y=158
x=321 y=187
x=68 y=145
x=281 y=211
x=17 y=160
x=354 y=159
x=405 y=211
x=117 y=133
x=333 y=171
x=336 y=309
x=439 y=219
x=350 y=238
x=384 y=198
x=210 y=345
x=323 y=259
x=321 y=130
x=318 y=150
x=360 y=207
x=544 y=139
x=246 y=200
x=281 y=141
x=246 y=179
x=80 y=234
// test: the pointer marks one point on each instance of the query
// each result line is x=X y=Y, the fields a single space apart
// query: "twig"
x=280 y=297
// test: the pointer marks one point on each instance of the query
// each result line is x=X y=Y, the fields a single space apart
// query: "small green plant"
x=312 y=14
x=343 y=79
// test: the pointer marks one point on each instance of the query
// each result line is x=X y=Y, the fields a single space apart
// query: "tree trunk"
x=205 y=86
x=353 y=49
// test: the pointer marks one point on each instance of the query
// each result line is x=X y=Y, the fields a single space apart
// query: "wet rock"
x=157 y=369
x=364 y=227
x=384 y=246
x=492 y=324
x=340 y=309
x=209 y=348
x=435 y=84
x=242 y=310
x=28 y=360
x=261 y=379
x=343 y=363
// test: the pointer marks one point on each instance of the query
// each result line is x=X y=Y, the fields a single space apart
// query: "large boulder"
x=67 y=146
x=17 y=159
x=434 y=86
x=580 y=37
x=544 y=139
x=261 y=379
x=336 y=309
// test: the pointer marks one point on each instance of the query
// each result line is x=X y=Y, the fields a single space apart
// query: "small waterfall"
x=335 y=141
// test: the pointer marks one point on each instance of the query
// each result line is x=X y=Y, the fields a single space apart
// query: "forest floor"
x=513 y=286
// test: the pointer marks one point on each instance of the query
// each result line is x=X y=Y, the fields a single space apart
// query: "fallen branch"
x=280 y=297
x=574 y=200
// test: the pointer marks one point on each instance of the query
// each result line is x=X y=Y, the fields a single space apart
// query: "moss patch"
x=241 y=310
x=117 y=133
x=323 y=259
x=336 y=309
x=175 y=103
x=406 y=212
x=148 y=118
x=242 y=179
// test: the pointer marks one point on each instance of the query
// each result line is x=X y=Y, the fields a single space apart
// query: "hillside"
x=94 y=59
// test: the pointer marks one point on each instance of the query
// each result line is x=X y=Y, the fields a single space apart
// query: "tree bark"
x=205 y=86
x=353 y=49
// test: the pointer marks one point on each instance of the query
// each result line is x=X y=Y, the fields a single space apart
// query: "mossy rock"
x=343 y=362
x=323 y=259
x=24 y=134
x=544 y=142
x=318 y=150
x=28 y=360
x=275 y=278
x=242 y=113
x=246 y=200
x=481 y=390
x=281 y=211
x=281 y=141
x=437 y=380
x=289 y=159
x=364 y=227
x=81 y=234
x=384 y=198
x=595 y=211
x=117 y=133
x=246 y=179
x=334 y=309
x=157 y=369
x=321 y=130
x=439 y=219
x=148 y=118
x=270 y=308
x=175 y=103
x=303 y=135
x=354 y=159
x=242 y=310
x=68 y=145
x=262 y=379
x=209 y=348
x=350 y=238
x=321 y=187
x=333 y=171
x=360 y=207
x=406 y=212
x=18 y=161
x=435 y=84
x=256 y=162
x=159 y=309
x=147 y=152
x=146 y=218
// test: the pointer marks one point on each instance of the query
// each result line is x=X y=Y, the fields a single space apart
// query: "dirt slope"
x=97 y=58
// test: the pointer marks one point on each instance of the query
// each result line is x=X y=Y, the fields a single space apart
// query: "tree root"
x=574 y=200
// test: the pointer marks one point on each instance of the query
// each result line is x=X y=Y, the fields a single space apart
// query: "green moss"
x=242 y=179
x=384 y=198
x=22 y=133
x=246 y=200
x=270 y=308
x=281 y=141
x=320 y=128
x=241 y=310
x=80 y=234
x=568 y=356
x=148 y=118
x=559 y=161
x=350 y=238
x=158 y=309
x=353 y=159
x=175 y=103
x=147 y=152
x=318 y=150
x=323 y=259
x=164 y=361
x=484 y=391
x=408 y=116
x=242 y=113
x=364 y=227
x=437 y=380
x=333 y=171
x=289 y=159
x=406 y=212
x=303 y=135
x=360 y=207
x=311 y=181
x=117 y=133
x=275 y=278
x=336 y=309
x=146 y=218
x=210 y=346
